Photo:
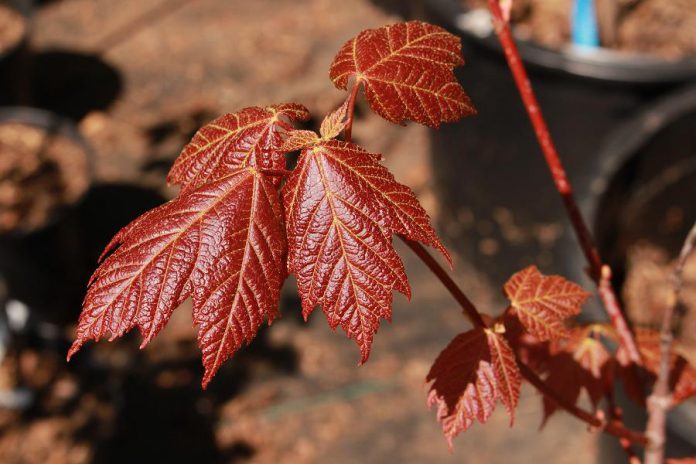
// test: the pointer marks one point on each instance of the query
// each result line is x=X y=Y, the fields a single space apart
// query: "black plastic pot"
x=42 y=266
x=501 y=211
x=650 y=165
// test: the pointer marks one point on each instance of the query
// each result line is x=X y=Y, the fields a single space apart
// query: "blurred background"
x=98 y=97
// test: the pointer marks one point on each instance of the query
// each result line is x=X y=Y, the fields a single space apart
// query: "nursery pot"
x=500 y=208
x=42 y=265
x=649 y=166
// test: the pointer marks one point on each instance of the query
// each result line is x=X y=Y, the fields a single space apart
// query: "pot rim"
x=601 y=64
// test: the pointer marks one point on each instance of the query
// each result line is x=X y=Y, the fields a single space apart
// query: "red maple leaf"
x=682 y=379
x=221 y=242
x=252 y=136
x=543 y=303
x=474 y=371
x=407 y=71
x=342 y=207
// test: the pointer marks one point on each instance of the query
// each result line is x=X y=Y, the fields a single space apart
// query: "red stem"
x=469 y=309
x=348 y=131
x=560 y=179
x=612 y=427
x=661 y=398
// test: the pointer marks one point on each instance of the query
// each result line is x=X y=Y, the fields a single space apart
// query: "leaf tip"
x=77 y=344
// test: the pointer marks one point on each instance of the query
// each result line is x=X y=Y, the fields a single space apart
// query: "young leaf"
x=477 y=368
x=334 y=123
x=407 y=72
x=250 y=137
x=342 y=207
x=543 y=303
x=222 y=244
x=299 y=139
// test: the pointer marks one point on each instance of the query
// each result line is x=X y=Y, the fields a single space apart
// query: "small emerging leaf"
x=543 y=303
x=299 y=139
x=407 y=72
x=334 y=123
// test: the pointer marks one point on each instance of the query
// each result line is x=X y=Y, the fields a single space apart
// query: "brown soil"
x=12 y=28
x=665 y=28
x=38 y=173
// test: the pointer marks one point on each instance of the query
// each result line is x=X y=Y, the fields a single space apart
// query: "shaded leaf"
x=543 y=303
x=474 y=371
x=578 y=363
x=250 y=137
x=407 y=72
x=221 y=244
x=464 y=385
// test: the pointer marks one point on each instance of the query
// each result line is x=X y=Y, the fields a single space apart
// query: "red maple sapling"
x=242 y=222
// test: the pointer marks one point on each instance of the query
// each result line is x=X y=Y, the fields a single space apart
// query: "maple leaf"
x=222 y=244
x=682 y=379
x=543 y=303
x=579 y=362
x=407 y=72
x=342 y=207
x=251 y=137
x=474 y=371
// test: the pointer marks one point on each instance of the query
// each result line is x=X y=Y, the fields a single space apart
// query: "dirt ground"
x=296 y=394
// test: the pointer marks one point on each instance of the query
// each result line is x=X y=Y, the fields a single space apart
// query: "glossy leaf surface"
x=221 y=242
x=407 y=72
x=342 y=209
x=543 y=303
x=250 y=137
